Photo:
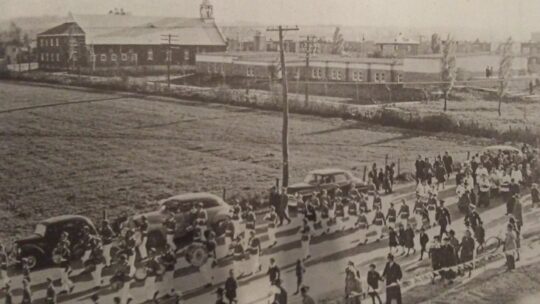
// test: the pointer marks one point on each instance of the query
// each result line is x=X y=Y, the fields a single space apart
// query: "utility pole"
x=168 y=39
x=285 y=129
x=309 y=49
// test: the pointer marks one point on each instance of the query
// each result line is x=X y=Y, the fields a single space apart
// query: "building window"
x=134 y=57
x=399 y=78
x=42 y=57
x=46 y=57
x=297 y=73
x=338 y=75
x=383 y=79
x=314 y=73
x=57 y=42
x=250 y=72
x=114 y=57
x=376 y=77
x=103 y=57
x=57 y=57
x=52 y=42
x=209 y=68
x=124 y=57
x=93 y=58
x=150 y=55
x=216 y=68
x=186 y=55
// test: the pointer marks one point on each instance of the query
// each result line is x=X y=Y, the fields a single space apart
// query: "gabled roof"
x=68 y=28
x=140 y=30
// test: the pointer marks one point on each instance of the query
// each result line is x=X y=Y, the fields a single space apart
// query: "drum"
x=196 y=254
x=141 y=273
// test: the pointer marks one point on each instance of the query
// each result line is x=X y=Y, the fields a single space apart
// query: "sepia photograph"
x=269 y=151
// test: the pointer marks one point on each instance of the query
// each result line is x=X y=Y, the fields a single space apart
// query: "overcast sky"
x=514 y=17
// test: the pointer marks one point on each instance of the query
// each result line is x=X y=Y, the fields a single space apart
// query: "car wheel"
x=155 y=240
x=33 y=259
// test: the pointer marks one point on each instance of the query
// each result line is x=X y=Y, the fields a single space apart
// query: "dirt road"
x=79 y=151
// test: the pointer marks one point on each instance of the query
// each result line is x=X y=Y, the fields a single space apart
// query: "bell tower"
x=207 y=10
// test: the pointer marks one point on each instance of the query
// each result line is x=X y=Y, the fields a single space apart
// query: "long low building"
x=348 y=69
x=114 y=40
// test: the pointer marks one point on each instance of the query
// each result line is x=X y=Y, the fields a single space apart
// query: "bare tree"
x=505 y=69
x=435 y=43
x=448 y=68
x=338 y=43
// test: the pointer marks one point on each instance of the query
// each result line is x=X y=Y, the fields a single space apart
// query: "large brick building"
x=114 y=40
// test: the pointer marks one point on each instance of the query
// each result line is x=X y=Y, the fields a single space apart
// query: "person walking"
x=535 y=195
x=274 y=273
x=26 y=292
x=353 y=285
x=278 y=293
x=510 y=247
x=404 y=213
x=231 y=287
x=283 y=207
x=219 y=296
x=362 y=226
x=466 y=248
x=442 y=216
x=8 y=294
x=254 y=251
x=409 y=239
x=391 y=216
x=305 y=233
x=143 y=230
x=152 y=266
x=373 y=279
x=448 y=162
x=272 y=220
x=300 y=270
x=306 y=298
x=423 y=239
x=379 y=222
x=107 y=236
x=4 y=265
x=393 y=275
x=51 y=295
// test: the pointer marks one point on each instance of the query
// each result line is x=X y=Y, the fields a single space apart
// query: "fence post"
x=364 y=175
x=398 y=166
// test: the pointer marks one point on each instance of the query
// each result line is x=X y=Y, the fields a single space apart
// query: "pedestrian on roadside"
x=353 y=285
x=409 y=239
x=305 y=239
x=274 y=274
x=391 y=216
x=8 y=294
x=535 y=195
x=306 y=298
x=393 y=275
x=466 y=248
x=278 y=293
x=392 y=240
x=231 y=286
x=272 y=219
x=26 y=292
x=448 y=162
x=443 y=218
x=3 y=265
x=300 y=270
x=219 y=295
x=152 y=266
x=379 y=222
x=51 y=293
x=283 y=207
x=509 y=248
x=373 y=279
x=423 y=239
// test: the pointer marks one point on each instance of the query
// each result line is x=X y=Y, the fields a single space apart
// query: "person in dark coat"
x=300 y=269
x=231 y=285
x=443 y=218
x=274 y=274
x=448 y=259
x=283 y=205
x=535 y=195
x=467 y=248
x=409 y=239
x=393 y=275
x=424 y=239
x=472 y=219
x=373 y=279
x=219 y=294
x=448 y=162
x=419 y=166
x=402 y=237
x=435 y=255
x=392 y=239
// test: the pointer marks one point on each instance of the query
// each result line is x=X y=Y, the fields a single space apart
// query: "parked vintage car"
x=218 y=211
x=329 y=180
x=38 y=247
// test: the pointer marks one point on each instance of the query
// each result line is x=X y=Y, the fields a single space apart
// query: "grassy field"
x=74 y=151
x=515 y=115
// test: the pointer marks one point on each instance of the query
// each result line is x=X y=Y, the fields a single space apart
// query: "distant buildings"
x=398 y=47
x=323 y=67
x=115 y=40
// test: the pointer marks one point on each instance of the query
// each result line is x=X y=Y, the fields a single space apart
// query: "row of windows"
x=52 y=57
x=50 y=42
x=114 y=57
x=216 y=69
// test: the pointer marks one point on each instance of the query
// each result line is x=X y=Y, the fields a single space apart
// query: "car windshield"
x=312 y=179
x=40 y=229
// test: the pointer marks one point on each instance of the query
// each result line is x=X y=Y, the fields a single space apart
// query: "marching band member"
x=331 y=214
x=272 y=219
x=51 y=295
x=62 y=250
x=107 y=235
x=484 y=190
x=8 y=294
x=26 y=293
x=362 y=225
x=325 y=218
x=379 y=222
x=377 y=201
x=3 y=265
x=170 y=230
x=129 y=249
x=206 y=269
x=254 y=250
x=362 y=203
x=152 y=266
x=391 y=216
x=122 y=274
x=202 y=215
x=432 y=209
x=97 y=260
x=236 y=219
x=25 y=265
x=305 y=239
x=239 y=255
x=143 y=229
x=229 y=236
x=251 y=218
x=403 y=213
x=417 y=211
x=353 y=209
x=168 y=262
x=86 y=238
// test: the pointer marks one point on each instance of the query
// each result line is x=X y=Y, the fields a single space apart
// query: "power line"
x=169 y=39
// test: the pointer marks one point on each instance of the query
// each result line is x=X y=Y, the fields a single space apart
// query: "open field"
x=79 y=151
x=515 y=115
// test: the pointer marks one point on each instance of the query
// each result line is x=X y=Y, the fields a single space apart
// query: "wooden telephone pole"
x=309 y=49
x=285 y=129
x=168 y=39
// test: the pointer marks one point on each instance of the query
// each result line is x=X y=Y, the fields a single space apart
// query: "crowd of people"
x=485 y=176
